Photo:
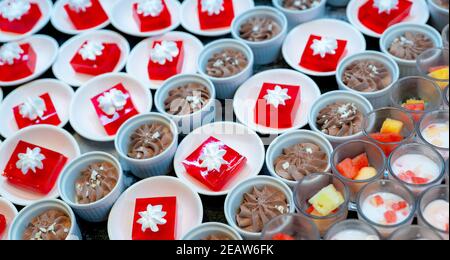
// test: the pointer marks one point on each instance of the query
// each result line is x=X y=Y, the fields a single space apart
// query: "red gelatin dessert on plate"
x=323 y=53
x=114 y=107
x=2 y=225
x=18 y=16
x=36 y=111
x=277 y=105
x=215 y=14
x=151 y=15
x=166 y=59
x=95 y=58
x=17 y=61
x=34 y=168
x=85 y=14
x=378 y=15
x=214 y=164
x=155 y=219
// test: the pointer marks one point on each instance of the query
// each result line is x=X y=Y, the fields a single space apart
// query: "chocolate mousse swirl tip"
x=226 y=63
x=150 y=140
x=258 y=29
x=187 y=99
x=340 y=119
x=95 y=182
x=367 y=76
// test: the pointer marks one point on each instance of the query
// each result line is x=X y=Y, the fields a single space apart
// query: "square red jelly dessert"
x=277 y=105
x=166 y=59
x=2 y=225
x=214 y=164
x=85 y=14
x=151 y=15
x=323 y=53
x=378 y=15
x=215 y=14
x=114 y=107
x=34 y=168
x=95 y=58
x=155 y=219
x=36 y=111
x=16 y=61
x=19 y=16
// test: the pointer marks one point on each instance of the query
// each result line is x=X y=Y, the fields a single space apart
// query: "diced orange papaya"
x=377 y=201
x=419 y=180
x=390 y=217
x=399 y=205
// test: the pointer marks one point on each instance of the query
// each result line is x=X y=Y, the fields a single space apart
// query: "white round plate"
x=238 y=137
x=83 y=117
x=46 y=49
x=246 y=96
x=296 y=41
x=64 y=71
x=189 y=206
x=60 y=20
x=60 y=93
x=46 y=7
x=1 y=95
x=50 y=137
x=419 y=14
x=190 y=21
x=122 y=18
x=10 y=212
x=140 y=55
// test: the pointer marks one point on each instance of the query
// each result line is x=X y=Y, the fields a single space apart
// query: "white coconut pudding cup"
x=212 y=228
x=234 y=200
x=363 y=105
x=226 y=87
x=266 y=51
x=155 y=166
x=10 y=212
x=189 y=122
x=292 y=138
x=296 y=17
x=378 y=98
x=28 y=213
x=97 y=211
x=439 y=15
x=408 y=67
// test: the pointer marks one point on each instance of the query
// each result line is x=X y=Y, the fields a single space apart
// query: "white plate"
x=60 y=93
x=46 y=49
x=419 y=14
x=46 y=7
x=189 y=206
x=83 y=117
x=140 y=55
x=10 y=212
x=190 y=21
x=64 y=71
x=122 y=18
x=246 y=96
x=236 y=136
x=61 y=21
x=50 y=137
x=296 y=40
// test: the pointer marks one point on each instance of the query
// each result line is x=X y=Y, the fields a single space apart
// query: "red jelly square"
x=2 y=225
x=19 y=65
x=152 y=17
x=158 y=218
x=86 y=15
x=215 y=14
x=87 y=62
x=277 y=105
x=330 y=52
x=214 y=164
x=21 y=21
x=163 y=62
x=114 y=107
x=36 y=111
x=34 y=168
x=379 y=19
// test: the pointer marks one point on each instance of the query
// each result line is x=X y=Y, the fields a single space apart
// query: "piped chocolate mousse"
x=95 y=182
x=226 y=63
x=187 y=99
x=367 y=76
x=149 y=140
x=300 y=4
x=340 y=119
x=410 y=45
x=258 y=29
x=52 y=224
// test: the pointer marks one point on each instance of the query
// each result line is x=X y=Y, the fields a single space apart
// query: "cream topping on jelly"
x=164 y=52
x=409 y=167
x=277 y=96
x=212 y=157
x=30 y=160
x=33 y=108
x=112 y=101
x=212 y=7
x=150 y=7
x=324 y=46
x=152 y=217
x=385 y=208
x=10 y=52
x=385 y=6
x=14 y=9
x=79 y=5
x=437 y=134
x=436 y=213
x=91 y=49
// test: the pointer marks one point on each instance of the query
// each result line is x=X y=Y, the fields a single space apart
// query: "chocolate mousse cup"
x=291 y=227
x=433 y=58
x=351 y=149
x=439 y=13
x=433 y=117
x=352 y=225
x=263 y=29
x=414 y=232
x=212 y=231
x=432 y=194
x=298 y=14
x=310 y=186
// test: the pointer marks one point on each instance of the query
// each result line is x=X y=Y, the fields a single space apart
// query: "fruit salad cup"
x=290 y=227
x=323 y=198
x=433 y=210
x=433 y=64
x=414 y=233
x=433 y=130
x=352 y=229
x=388 y=128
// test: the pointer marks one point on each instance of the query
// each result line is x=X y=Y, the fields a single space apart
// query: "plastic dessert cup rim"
x=277 y=4
x=425 y=75
x=352 y=222
x=419 y=131
x=420 y=213
x=220 y=227
x=416 y=227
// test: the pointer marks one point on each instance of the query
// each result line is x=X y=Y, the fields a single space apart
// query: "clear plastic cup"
x=445 y=36
x=435 y=117
x=352 y=229
x=414 y=233
x=293 y=226
x=432 y=194
x=446 y=97
x=431 y=59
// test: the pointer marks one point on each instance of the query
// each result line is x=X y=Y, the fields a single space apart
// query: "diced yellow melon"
x=366 y=173
x=327 y=200
x=440 y=74
x=414 y=101
x=392 y=126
